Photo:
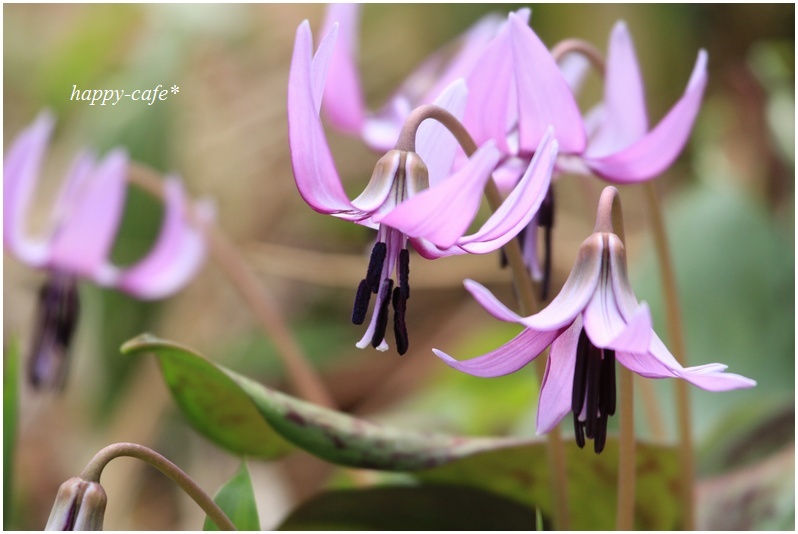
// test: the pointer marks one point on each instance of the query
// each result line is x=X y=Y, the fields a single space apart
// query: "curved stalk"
x=527 y=301
x=303 y=377
x=94 y=469
x=579 y=46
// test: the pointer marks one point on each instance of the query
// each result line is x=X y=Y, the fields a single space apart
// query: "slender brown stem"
x=589 y=51
x=303 y=377
x=526 y=294
x=94 y=469
x=678 y=347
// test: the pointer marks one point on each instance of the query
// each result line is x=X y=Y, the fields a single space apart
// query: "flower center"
x=593 y=398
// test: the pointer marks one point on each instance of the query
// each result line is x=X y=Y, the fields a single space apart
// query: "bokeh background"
x=729 y=201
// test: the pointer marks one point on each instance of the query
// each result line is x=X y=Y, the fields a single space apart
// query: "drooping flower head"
x=84 y=223
x=413 y=196
x=593 y=322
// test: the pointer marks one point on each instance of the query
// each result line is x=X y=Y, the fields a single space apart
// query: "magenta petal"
x=558 y=381
x=84 y=239
x=177 y=254
x=652 y=154
x=490 y=302
x=507 y=359
x=435 y=144
x=314 y=169
x=21 y=168
x=520 y=207
x=442 y=213
x=625 y=119
x=343 y=102
x=544 y=97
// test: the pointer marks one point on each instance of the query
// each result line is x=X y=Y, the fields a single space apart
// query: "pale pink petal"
x=344 y=104
x=81 y=170
x=624 y=295
x=652 y=154
x=21 y=168
x=509 y=172
x=520 y=207
x=380 y=184
x=507 y=359
x=314 y=169
x=558 y=381
x=442 y=213
x=381 y=130
x=574 y=68
x=434 y=143
x=624 y=119
x=544 y=98
x=177 y=254
x=636 y=337
x=491 y=304
x=83 y=241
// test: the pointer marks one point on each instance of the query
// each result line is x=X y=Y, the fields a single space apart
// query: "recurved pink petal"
x=520 y=207
x=343 y=102
x=177 y=254
x=544 y=97
x=314 y=169
x=21 y=168
x=507 y=359
x=558 y=381
x=84 y=238
x=434 y=143
x=442 y=213
x=624 y=119
x=491 y=304
x=652 y=154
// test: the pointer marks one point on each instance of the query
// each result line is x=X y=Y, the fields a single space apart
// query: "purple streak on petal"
x=21 y=169
x=624 y=295
x=442 y=214
x=491 y=304
x=507 y=359
x=575 y=293
x=520 y=207
x=652 y=154
x=380 y=184
x=603 y=319
x=544 y=97
x=314 y=169
x=83 y=241
x=636 y=337
x=625 y=120
x=435 y=144
x=177 y=254
x=558 y=381
x=344 y=105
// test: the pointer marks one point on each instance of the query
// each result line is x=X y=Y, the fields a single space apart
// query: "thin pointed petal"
x=177 y=254
x=491 y=304
x=435 y=144
x=625 y=120
x=558 y=381
x=314 y=169
x=544 y=97
x=507 y=359
x=442 y=214
x=520 y=207
x=343 y=103
x=652 y=154
x=84 y=239
x=21 y=168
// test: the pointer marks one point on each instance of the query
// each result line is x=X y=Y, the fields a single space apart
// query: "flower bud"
x=79 y=505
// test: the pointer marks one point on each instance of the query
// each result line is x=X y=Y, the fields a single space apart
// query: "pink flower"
x=412 y=196
x=593 y=321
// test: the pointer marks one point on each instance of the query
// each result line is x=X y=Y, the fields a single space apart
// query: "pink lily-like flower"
x=412 y=195
x=594 y=321
x=615 y=142
x=344 y=105
x=84 y=223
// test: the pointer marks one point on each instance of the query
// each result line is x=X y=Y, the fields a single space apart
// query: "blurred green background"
x=729 y=201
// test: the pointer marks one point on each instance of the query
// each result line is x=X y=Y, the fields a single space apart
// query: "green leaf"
x=211 y=401
x=400 y=508
x=224 y=405
x=10 y=415
x=522 y=473
x=237 y=500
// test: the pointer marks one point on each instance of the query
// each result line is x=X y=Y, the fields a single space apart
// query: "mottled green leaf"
x=222 y=409
x=10 y=415
x=430 y=508
x=522 y=473
x=210 y=400
x=237 y=500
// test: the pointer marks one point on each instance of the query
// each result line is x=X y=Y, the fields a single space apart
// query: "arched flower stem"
x=94 y=469
x=527 y=301
x=306 y=382
x=584 y=48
